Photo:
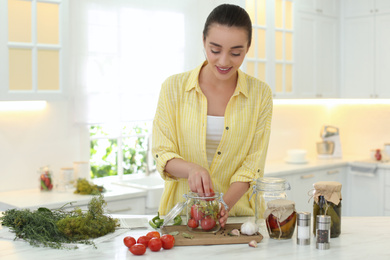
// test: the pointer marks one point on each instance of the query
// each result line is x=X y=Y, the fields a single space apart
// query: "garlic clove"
x=252 y=243
x=234 y=232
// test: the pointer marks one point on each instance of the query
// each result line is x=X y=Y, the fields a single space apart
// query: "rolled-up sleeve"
x=164 y=146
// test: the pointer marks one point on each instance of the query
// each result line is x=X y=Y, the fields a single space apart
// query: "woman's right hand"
x=199 y=179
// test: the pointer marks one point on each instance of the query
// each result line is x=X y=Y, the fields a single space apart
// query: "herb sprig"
x=59 y=228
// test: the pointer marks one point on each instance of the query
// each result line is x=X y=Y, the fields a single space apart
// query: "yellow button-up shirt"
x=179 y=131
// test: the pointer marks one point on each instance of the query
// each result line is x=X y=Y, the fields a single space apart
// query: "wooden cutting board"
x=219 y=238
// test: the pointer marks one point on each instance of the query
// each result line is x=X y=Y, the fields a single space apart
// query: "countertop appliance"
x=330 y=147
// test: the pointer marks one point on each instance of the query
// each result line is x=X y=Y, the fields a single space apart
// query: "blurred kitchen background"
x=93 y=68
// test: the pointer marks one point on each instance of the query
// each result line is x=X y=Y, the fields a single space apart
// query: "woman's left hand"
x=224 y=214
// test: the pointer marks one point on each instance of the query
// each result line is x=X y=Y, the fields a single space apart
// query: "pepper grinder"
x=323 y=232
x=303 y=228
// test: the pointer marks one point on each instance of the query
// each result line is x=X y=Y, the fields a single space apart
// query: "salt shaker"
x=323 y=232
x=303 y=228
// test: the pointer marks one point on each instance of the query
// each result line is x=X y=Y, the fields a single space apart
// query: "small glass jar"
x=202 y=212
x=280 y=218
x=267 y=189
x=327 y=201
x=45 y=179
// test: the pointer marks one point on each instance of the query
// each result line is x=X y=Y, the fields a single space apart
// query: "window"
x=125 y=50
x=120 y=150
x=270 y=57
x=34 y=49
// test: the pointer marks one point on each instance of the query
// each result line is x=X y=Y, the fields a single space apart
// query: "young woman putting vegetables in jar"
x=212 y=125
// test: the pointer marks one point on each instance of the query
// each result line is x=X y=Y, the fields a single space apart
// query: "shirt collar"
x=193 y=81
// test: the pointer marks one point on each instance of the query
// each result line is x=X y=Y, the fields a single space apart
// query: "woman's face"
x=225 y=48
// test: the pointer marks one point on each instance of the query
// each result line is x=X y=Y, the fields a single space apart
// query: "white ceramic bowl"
x=296 y=156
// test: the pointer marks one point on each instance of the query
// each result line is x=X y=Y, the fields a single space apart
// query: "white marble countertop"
x=35 y=198
x=277 y=167
x=361 y=238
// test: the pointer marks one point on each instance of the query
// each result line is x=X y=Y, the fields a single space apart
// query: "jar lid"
x=331 y=190
x=280 y=203
x=280 y=208
x=175 y=211
x=304 y=215
x=272 y=184
x=323 y=219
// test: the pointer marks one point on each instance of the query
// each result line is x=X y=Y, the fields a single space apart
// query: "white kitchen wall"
x=362 y=128
x=29 y=140
x=32 y=139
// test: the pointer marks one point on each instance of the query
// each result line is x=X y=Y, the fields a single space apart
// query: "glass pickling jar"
x=327 y=201
x=267 y=189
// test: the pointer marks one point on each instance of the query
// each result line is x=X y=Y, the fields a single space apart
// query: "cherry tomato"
x=129 y=241
x=211 y=194
x=196 y=213
x=168 y=241
x=208 y=223
x=192 y=223
x=138 y=249
x=153 y=234
x=155 y=244
x=143 y=240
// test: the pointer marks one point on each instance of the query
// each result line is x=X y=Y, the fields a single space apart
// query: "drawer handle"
x=308 y=176
x=118 y=210
x=364 y=174
x=332 y=172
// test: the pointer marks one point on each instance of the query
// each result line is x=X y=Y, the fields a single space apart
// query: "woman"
x=212 y=124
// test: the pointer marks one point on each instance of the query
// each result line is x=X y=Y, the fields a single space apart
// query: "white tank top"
x=214 y=133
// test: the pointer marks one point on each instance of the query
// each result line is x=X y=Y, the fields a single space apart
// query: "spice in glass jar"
x=327 y=201
x=323 y=231
x=280 y=218
x=202 y=212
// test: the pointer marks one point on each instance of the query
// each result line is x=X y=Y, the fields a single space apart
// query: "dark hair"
x=229 y=15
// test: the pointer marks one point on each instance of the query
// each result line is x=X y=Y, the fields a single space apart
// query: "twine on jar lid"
x=280 y=208
x=331 y=190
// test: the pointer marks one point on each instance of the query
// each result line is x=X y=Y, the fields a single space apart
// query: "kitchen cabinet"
x=135 y=206
x=323 y=7
x=366 y=53
x=302 y=185
x=34 y=48
x=366 y=191
x=317 y=54
x=387 y=192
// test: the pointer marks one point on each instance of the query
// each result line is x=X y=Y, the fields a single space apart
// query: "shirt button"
x=258 y=170
x=219 y=153
x=156 y=155
x=227 y=128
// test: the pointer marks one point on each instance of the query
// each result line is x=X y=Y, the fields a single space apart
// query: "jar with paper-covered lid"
x=327 y=201
x=280 y=218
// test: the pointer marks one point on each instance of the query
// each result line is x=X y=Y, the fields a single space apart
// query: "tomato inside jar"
x=202 y=212
x=280 y=217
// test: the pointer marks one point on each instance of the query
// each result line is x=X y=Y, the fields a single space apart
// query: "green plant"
x=104 y=150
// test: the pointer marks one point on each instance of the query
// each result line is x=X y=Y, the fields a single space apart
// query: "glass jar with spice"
x=267 y=189
x=280 y=218
x=327 y=201
x=45 y=179
x=201 y=210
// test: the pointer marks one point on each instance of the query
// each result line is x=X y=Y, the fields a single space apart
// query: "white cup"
x=386 y=150
x=81 y=170
x=296 y=155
